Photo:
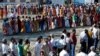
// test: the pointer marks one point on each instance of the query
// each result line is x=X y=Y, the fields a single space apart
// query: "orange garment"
x=90 y=33
x=54 y=12
x=1 y=13
x=44 y=12
x=23 y=27
x=61 y=12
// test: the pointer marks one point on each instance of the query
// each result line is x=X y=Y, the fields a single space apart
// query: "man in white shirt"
x=81 y=53
x=5 y=48
x=84 y=40
x=38 y=46
x=62 y=41
x=92 y=53
x=95 y=36
x=64 y=52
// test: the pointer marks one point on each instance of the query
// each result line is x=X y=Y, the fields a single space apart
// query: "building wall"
x=16 y=1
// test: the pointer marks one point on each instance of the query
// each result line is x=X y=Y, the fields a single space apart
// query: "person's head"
x=49 y=38
x=64 y=31
x=20 y=41
x=4 y=41
x=92 y=48
x=68 y=34
x=39 y=39
x=86 y=31
x=13 y=40
x=18 y=17
x=27 y=41
x=42 y=53
x=46 y=40
x=62 y=37
x=74 y=30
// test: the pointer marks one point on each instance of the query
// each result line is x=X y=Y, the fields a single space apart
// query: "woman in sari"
x=19 y=24
x=16 y=26
x=49 y=22
x=36 y=24
x=10 y=27
x=23 y=30
x=24 y=9
x=19 y=10
x=27 y=25
x=67 y=24
x=53 y=11
x=1 y=13
x=5 y=28
x=61 y=11
x=32 y=24
x=44 y=11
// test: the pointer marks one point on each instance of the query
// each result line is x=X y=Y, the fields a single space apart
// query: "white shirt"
x=67 y=40
x=13 y=47
x=92 y=53
x=62 y=42
x=83 y=36
x=95 y=32
x=5 y=49
x=63 y=53
x=38 y=47
x=81 y=54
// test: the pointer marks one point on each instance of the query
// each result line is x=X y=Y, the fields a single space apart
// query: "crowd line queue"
x=51 y=46
x=48 y=17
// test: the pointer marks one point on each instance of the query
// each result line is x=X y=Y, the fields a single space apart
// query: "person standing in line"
x=95 y=36
x=5 y=48
x=19 y=24
x=84 y=40
x=68 y=43
x=20 y=47
x=66 y=19
x=38 y=46
x=13 y=47
x=46 y=47
x=27 y=47
x=73 y=42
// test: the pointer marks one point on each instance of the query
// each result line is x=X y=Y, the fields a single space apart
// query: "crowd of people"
x=50 y=46
x=50 y=17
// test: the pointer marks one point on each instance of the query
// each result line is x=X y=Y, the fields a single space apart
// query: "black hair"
x=4 y=41
x=68 y=34
x=40 y=37
x=20 y=41
x=64 y=31
x=74 y=30
x=27 y=41
x=62 y=37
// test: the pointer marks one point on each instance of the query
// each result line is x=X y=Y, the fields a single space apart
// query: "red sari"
x=1 y=13
x=5 y=11
x=59 y=20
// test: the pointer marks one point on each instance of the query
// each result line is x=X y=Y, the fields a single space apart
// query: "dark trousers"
x=4 y=55
x=84 y=46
